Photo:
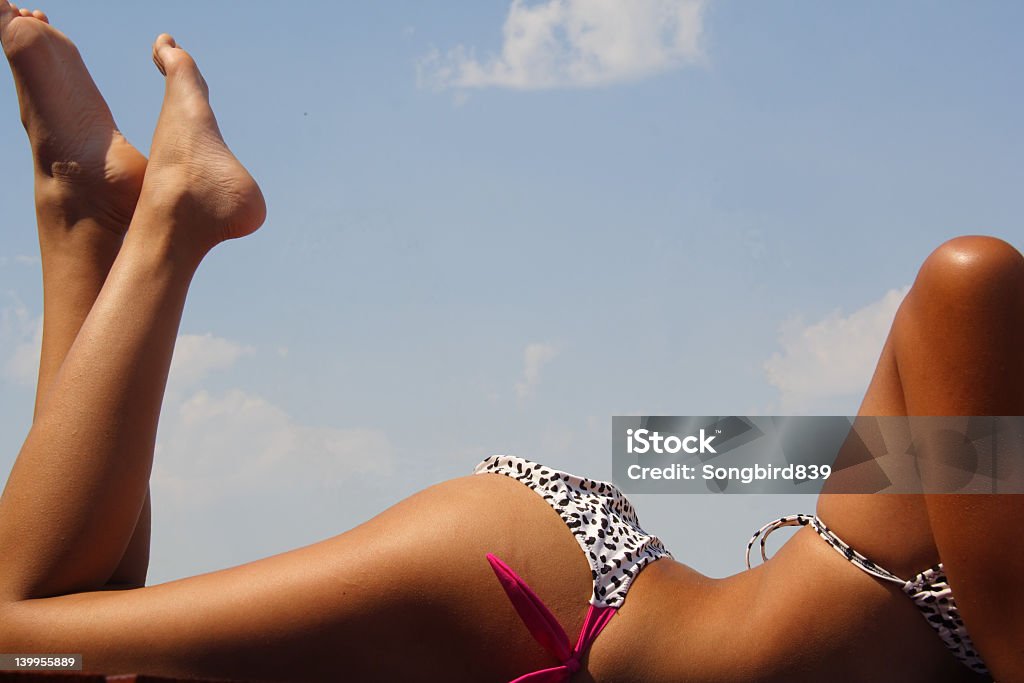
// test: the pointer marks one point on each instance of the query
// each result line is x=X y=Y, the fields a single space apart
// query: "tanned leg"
x=73 y=499
x=960 y=351
x=87 y=182
x=956 y=348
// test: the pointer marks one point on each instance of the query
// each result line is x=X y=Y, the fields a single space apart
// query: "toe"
x=18 y=36
x=165 y=52
x=41 y=16
x=175 y=62
x=170 y=56
x=7 y=12
x=163 y=45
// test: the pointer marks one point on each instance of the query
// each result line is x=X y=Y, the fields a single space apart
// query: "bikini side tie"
x=834 y=541
x=545 y=628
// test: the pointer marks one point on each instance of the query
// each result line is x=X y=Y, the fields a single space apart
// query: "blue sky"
x=483 y=241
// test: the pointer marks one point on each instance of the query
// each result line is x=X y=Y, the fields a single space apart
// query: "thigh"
x=955 y=349
x=893 y=530
x=407 y=592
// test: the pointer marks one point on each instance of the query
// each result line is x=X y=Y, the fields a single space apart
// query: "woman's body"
x=409 y=595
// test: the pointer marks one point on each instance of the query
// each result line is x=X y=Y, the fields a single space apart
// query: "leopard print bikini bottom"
x=600 y=517
x=605 y=525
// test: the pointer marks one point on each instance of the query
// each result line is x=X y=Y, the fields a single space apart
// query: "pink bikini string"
x=546 y=629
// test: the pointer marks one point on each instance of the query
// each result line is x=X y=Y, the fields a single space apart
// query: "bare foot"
x=85 y=168
x=192 y=173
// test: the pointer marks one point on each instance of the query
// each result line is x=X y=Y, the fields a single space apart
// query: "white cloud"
x=212 y=447
x=535 y=357
x=576 y=43
x=831 y=358
x=21 y=338
x=196 y=356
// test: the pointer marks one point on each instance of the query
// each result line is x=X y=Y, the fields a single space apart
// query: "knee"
x=973 y=270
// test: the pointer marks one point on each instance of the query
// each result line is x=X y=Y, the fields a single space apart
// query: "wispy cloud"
x=831 y=358
x=213 y=446
x=535 y=357
x=20 y=259
x=576 y=43
x=239 y=443
x=196 y=356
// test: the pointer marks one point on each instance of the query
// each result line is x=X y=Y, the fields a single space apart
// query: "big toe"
x=8 y=13
x=177 y=65
x=12 y=11
x=18 y=36
x=170 y=58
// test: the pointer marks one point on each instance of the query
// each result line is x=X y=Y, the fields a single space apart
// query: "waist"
x=805 y=615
